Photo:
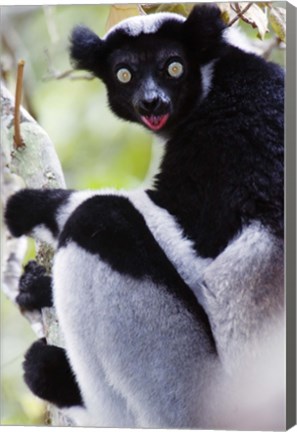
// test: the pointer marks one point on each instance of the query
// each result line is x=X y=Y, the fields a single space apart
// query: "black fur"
x=110 y=227
x=229 y=153
x=31 y=207
x=223 y=166
x=85 y=48
x=49 y=376
x=202 y=33
x=196 y=41
x=35 y=290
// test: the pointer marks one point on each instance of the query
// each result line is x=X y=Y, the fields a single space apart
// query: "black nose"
x=149 y=105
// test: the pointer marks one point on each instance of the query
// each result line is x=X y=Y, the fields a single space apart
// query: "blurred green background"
x=95 y=148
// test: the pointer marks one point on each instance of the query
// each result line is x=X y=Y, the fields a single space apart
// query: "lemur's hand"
x=31 y=208
x=21 y=214
x=35 y=288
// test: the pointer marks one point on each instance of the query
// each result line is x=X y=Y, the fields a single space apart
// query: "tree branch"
x=19 y=142
x=34 y=165
x=240 y=14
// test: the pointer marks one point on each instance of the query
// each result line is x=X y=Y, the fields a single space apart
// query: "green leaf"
x=178 y=8
x=119 y=13
x=277 y=19
x=256 y=17
x=226 y=11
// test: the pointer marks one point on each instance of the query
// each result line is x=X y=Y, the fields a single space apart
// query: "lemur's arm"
x=31 y=209
x=41 y=213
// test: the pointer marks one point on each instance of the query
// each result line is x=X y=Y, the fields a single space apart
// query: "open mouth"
x=155 y=122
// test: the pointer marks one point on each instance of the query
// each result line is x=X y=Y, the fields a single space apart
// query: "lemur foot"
x=35 y=289
x=49 y=376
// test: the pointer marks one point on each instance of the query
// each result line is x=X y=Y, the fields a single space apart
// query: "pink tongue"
x=155 y=122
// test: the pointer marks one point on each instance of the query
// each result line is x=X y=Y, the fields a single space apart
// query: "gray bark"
x=35 y=165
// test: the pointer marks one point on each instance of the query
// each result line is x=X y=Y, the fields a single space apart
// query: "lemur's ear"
x=203 y=30
x=85 y=49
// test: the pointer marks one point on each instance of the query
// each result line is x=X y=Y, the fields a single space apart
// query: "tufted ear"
x=86 y=49
x=203 y=30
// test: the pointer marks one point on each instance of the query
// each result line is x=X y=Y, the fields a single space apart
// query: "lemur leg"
x=132 y=320
x=48 y=374
x=140 y=329
x=243 y=294
x=47 y=371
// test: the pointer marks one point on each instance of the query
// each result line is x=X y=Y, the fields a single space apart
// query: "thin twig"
x=18 y=141
x=68 y=74
x=141 y=10
x=54 y=74
x=49 y=12
x=275 y=43
x=239 y=14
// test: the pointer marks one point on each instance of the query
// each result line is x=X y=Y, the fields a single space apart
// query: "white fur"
x=243 y=288
x=124 y=335
x=207 y=72
x=164 y=228
x=169 y=235
x=253 y=397
x=237 y=38
x=224 y=286
x=79 y=317
x=42 y=233
x=146 y=24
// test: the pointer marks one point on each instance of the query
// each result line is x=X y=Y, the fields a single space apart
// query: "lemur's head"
x=154 y=66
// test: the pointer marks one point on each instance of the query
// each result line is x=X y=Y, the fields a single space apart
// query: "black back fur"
x=223 y=165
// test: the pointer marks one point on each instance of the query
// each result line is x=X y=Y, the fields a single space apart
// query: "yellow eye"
x=175 y=69
x=124 y=75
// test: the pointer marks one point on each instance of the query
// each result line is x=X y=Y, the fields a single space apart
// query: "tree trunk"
x=34 y=165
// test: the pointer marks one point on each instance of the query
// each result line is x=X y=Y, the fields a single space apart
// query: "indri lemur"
x=167 y=297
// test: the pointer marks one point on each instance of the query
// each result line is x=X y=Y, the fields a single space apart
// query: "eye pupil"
x=175 y=69
x=124 y=75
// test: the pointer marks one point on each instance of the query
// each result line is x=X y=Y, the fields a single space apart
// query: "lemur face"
x=150 y=81
x=152 y=65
